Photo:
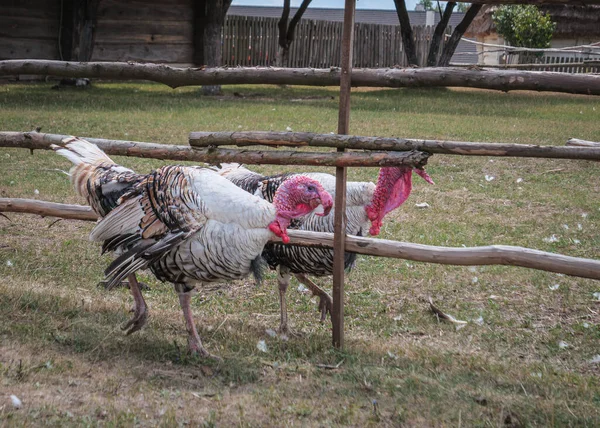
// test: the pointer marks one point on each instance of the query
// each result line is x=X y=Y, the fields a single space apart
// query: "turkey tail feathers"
x=80 y=151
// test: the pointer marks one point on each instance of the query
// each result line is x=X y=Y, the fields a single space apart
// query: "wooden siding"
x=29 y=29
x=148 y=31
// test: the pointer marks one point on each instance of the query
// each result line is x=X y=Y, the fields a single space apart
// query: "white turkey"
x=190 y=226
x=365 y=202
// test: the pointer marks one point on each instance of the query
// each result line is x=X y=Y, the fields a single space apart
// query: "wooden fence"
x=566 y=62
x=252 y=41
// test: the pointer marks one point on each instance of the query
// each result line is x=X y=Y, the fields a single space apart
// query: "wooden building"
x=163 y=31
x=575 y=26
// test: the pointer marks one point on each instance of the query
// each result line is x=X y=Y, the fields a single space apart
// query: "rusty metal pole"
x=337 y=315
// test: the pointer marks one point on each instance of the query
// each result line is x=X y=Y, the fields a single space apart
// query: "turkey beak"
x=326 y=201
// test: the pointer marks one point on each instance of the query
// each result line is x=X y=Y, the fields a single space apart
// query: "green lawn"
x=524 y=358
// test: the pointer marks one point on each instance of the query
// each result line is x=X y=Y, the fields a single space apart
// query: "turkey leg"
x=194 y=342
x=325 y=301
x=140 y=310
x=283 y=279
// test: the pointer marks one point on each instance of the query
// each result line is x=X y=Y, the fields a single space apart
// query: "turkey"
x=365 y=202
x=102 y=182
x=190 y=226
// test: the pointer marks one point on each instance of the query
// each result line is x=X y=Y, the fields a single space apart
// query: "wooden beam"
x=76 y=39
x=339 y=223
x=35 y=140
x=464 y=256
x=307 y=139
x=502 y=80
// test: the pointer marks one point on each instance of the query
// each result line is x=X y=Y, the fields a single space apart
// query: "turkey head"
x=393 y=188
x=297 y=197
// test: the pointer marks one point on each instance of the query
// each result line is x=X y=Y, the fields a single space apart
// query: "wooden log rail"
x=38 y=140
x=488 y=255
x=501 y=80
x=307 y=139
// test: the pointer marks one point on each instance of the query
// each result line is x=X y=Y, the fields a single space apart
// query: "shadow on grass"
x=94 y=333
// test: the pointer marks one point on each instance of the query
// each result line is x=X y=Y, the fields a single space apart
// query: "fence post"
x=339 y=244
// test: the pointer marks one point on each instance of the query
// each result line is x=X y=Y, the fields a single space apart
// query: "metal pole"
x=337 y=315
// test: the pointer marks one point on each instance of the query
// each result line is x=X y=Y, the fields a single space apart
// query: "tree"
x=524 y=26
x=287 y=30
x=438 y=34
x=408 y=40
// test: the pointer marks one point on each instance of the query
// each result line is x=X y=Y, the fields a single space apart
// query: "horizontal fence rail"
x=305 y=139
x=488 y=255
x=41 y=141
x=502 y=80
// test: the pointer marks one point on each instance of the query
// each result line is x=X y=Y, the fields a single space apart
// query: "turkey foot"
x=285 y=332
x=325 y=300
x=140 y=310
x=194 y=343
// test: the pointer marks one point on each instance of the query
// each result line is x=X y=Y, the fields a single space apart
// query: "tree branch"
x=438 y=34
x=408 y=40
x=294 y=22
x=458 y=32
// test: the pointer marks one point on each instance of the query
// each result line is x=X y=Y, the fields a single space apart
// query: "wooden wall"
x=132 y=30
x=29 y=29
x=145 y=30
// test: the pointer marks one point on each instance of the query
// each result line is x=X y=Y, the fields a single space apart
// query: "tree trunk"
x=458 y=32
x=287 y=31
x=438 y=35
x=210 y=15
x=408 y=40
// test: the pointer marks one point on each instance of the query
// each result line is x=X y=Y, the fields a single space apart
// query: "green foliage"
x=427 y=4
x=524 y=26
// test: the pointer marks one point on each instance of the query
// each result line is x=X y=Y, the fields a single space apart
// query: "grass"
x=62 y=353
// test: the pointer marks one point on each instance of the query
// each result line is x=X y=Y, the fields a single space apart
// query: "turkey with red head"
x=366 y=206
x=190 y=226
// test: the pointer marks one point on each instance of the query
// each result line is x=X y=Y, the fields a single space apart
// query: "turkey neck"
x=393 y=188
